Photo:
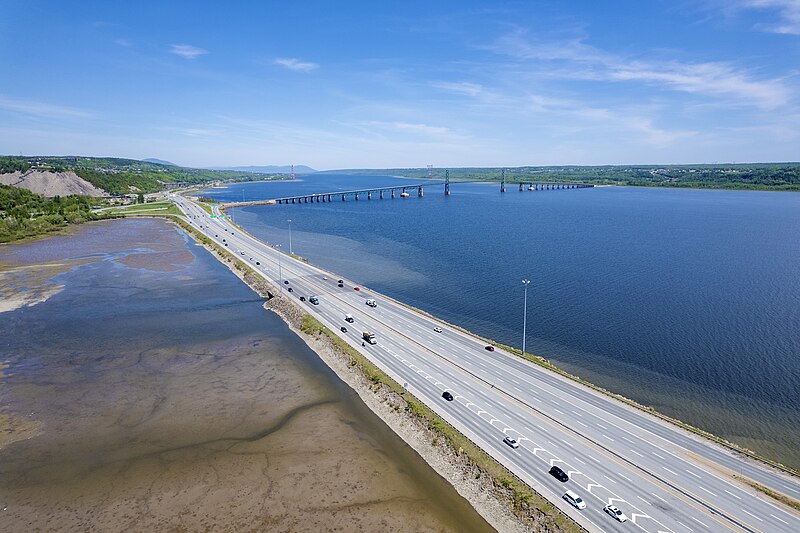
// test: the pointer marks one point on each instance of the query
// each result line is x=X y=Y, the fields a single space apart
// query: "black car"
x=290 y=289
x=341 y=285
x=258 y=262
x=286 y=282
x=559 y=474
x=344 y=329
x=302 y=298
x=447 y=395
x=340 y=281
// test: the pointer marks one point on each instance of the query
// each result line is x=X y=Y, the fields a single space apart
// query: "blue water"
x=685 y=300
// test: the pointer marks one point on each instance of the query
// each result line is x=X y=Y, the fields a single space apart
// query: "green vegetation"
x=750 y=176
x=155 y=208
x=25 y=214
x=526 y=501
x=125 y=176
x=12 y=164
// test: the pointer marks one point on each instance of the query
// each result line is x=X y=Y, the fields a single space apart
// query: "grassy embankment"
x=155 y=208
x=526 y=502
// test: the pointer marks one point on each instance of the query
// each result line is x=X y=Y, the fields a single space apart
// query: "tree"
x=140 y=198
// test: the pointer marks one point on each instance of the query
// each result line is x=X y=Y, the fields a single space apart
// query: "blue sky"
x=390 y=84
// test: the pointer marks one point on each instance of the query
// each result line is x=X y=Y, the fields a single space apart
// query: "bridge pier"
x=520 y=187
x=503 y=182
x=369 y=195
x=420 y=193
x=343 y=197
x=356 y=196
x=392 y=194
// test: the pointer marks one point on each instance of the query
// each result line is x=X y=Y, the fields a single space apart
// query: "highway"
x=662 y=477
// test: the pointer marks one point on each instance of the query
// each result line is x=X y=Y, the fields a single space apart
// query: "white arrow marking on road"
x=554 y=461
x=612 y=500
x=635 y=515
x=590 y=485
x=571 y=473
x=538 y=450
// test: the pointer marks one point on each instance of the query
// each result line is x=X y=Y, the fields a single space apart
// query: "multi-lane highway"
x=661 y=477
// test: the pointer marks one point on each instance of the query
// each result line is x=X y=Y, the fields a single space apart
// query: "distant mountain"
x=159 y=161
x=270 y=169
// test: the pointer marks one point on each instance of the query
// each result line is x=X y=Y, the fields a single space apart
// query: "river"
x=684 y=300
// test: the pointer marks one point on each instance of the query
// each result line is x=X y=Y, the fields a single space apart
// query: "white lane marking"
x=659 y=456
x=624 y=477
x=601 y=426
x=732 y=494
x=778 y=519
x=670 y=471
x=637 y=453
x=754 y=516
x=645 y=501
x=581 y=462
x=705 y=489
x=698 y=521
x=606 y=436
x=608 y=478
x=568 y=443
x=581 y=423
x=577 y=413
x=592 y=458
x=684 y=525
x=693 y=474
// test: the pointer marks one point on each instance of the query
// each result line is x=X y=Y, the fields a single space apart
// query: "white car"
x=574 y=500
x=616 y=513
x=511 y=441
x=437 y=329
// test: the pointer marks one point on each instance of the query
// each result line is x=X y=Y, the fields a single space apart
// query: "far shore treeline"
x=744 y=176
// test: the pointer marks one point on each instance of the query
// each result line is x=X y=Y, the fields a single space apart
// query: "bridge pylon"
x=447 y=182
x=503 y=182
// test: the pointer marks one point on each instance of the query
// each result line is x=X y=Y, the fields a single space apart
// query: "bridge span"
x=394 y=191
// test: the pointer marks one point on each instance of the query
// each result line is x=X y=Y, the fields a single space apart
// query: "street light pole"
x=280 y=271
x=525 y=314
x=290 y=236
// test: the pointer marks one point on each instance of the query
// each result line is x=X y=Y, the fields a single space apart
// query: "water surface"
x=684 y=300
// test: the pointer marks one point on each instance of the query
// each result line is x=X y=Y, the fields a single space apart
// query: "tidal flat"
x=152 y=391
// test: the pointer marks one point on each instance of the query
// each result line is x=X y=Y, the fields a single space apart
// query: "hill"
x=159 y=162
x=51 y=184
x=124 y=176
x=271 y=169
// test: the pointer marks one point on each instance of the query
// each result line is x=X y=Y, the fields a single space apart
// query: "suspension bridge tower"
x=503 y=182
x=447 y=182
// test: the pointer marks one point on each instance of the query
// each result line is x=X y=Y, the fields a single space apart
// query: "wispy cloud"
x=187 y=51
x=788 y=11
x=40 y=109
x=574 y=59
x=296 y=65
x=123 y=42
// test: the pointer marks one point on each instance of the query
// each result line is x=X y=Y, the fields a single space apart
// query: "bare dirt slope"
x=51 y=183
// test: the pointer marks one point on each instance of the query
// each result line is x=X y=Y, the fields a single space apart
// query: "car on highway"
x=340 y=281
x=511 y=441
x=314 y=300
x=559 y=474
x=286 y=282
x=290 y=289
x=258 y=262
x=489 y=347
x=574 y=500
x=437 y=329
x=241 y=253
x=447 y=395
x=344 y=329
x=348 y=318
x=616 y=513
x=302 y=298
x=371 y=302
x=341 y=285
x=325 y=277
x=356 y=288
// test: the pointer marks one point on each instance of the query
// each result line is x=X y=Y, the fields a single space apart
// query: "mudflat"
x=153 y=392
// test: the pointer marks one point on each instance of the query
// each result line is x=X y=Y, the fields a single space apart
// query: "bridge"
x=394 y=191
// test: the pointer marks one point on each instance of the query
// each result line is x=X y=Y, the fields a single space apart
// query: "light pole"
x=280 y=271
x=290 y=236
x=525 y=282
